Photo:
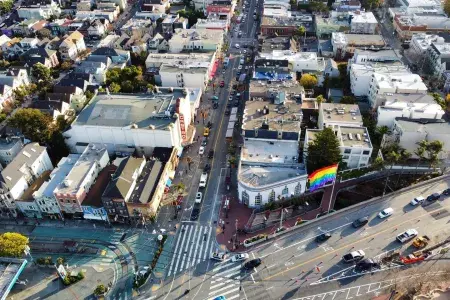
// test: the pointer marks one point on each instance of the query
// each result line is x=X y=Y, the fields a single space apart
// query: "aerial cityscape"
x=224 y=149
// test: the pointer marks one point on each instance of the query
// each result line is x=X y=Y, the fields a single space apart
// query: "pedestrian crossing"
x=225 y=280
x=193 y=245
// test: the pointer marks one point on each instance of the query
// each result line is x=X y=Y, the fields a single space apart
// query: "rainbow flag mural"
x=321 y=177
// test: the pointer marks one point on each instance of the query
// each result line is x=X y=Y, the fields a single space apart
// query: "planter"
x=255 y=240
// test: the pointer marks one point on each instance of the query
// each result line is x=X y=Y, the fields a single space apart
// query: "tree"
x=33 y=123
x=438 y=99
x=42 y=76
x=300 y=30
x=4 y=63
x=323 y=151
x=100 y=290
x=44 y=33
x=308 y=81
x=433 y=150
x=66 y=65
x=371 y=4
x=320 y=99
x=6 y=6
x=127 y=86
x=114 y=87
x=348 y=100
x=447 y=7
x=12 y=244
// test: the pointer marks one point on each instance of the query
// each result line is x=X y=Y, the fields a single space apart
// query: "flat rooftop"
x=258 y=176
x=354 y=137
x=276 y=152
x=80 y=170
x=400 y=81
x=122 y=110
x=179 y=60
x=290 y=87
x=286 y=118
x=364 y=17
x=336 y=112
x=10 y=270
x=277 y=43
x=424 y=125
x=286 y=21
x=365 y=39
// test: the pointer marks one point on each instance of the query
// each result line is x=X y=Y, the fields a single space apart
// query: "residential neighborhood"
x=224 y=149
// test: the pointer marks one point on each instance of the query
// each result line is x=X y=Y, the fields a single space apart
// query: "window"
x=348 y=151
x=68 y=200
x=245 y=197
x=366 y=152
x=258 y=199
x=272 y=196
x=345 y=157
x=74 y=201
x=298 y=189
x=285 y=191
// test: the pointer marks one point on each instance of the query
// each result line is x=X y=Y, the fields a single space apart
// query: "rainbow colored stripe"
x=321 y=177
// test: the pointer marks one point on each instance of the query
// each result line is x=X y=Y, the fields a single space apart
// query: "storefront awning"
x=169 y=182
x=171 y=174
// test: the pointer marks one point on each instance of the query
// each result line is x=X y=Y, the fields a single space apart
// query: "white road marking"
x=251 y=275
x=224 y=293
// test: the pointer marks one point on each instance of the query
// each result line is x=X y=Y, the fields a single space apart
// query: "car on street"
x=237 y=46
x=353 y=256
x=245 y=51
x=201 y=150
x=222 y=83
x=366 y=264
x=227 y=112
x=218 y=256
x=204 y=141
x=211 y=153
x=230 y=98
x=239 y=257
x=215 y=105
x=223 y=72
x=446 y=192
x=236 y=103
x=209 y=125
x=387 y=212
x=407 y=235
x=434 y=197
x=240 y=67
x=417 y=201
x=360 y=222
x=198 y=197
x=229 y=104
x=207 y=168
x=252 y=264
x=194 y=214
x=220 y=298
x=323 y=237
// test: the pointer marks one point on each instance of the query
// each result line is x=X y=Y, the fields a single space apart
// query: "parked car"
x=434 y=197
x=252 y=264
x=387 y=212
x=198 y=197
x=366 y=264
x=204 y=141
x=222 y=83
x=215 y=105
x=417 y=201
x=407 y=235
x=239 y=257
x=194 y=214
x=218 y=256
x=237 y=46
x=209 y=125
x=353 y=256
x=446 y=192
x=201 y=150
x=211 y=153
x=360 y=222
x=323 y=237
x=207 y=168
x=227 y=112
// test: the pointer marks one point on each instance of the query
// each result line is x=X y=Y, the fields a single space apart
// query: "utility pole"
x=235 y=234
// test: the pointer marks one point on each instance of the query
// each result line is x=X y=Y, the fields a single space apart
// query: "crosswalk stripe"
x=201 y=247
x=197 y=243
x=191 y=229
x=222 y=289
x=233 y=297
x=207 y=243
x=191 y=247
x=220 y=283
x=174 y=254
x=221 y=274
x=180 y=250
x=221 y=266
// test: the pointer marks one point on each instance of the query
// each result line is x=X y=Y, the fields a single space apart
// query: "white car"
x=201 y=150
x=230 y=98
x=237 y=46
x=245 y=51
x=240 y=67
x=417 y=200
x=407 y=235
x=198 y=197
x=218 y=256
x=236 y=29
x=387 y=212
x=239 y=257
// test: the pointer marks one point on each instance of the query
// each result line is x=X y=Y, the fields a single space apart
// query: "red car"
x=222 y=83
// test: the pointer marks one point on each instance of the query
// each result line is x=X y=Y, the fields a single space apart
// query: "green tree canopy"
x=6 y=6
x=33 y=123
x=99 y=290
x=127 y=80
x=323 y=151
x=41 y=73
x=66 y=65
x=12 y=244
x=348 y=100
x=308 y=81
x=114 y=87
x=447 y=7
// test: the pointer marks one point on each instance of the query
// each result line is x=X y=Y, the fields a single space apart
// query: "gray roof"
x=26 y=157
x=123 y=178
x=410 y=98
x=63 y=169
x=121 y=110
x=423 y=125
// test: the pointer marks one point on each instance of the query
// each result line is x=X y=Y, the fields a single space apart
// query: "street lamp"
x=160 y=238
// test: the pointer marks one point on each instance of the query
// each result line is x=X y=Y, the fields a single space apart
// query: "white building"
x=364 y=23
x=407 y=106
x=20 y=173
x=344 y=43
x=72 y=45
x=332 y=114
x=26 y=203
x=39 y=10
x=182 y=70
x=71 y=192
x=213 y=23
x=192 y=40
x=355 y=144
x=305 y=62
x=408 y=133
x=138 y=122
x=269 y=168
x=44 y=197
x=392 y=83
x=421 y=41
x=9 y=148
x=437 y=59
x=420 y=6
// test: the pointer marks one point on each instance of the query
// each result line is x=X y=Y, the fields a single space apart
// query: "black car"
x=227 y=112
x=252 y=264
x=215 y=105
x=434 y=197
x=360 y=222
x=323 y=237
x=228 y=105
x=366 y=265
x=446 y=192
x=204 y=141
x=236 y=103
x=209 y=125
x=234 y=86
x=195 y=213
x=211 y=153
x=207 y=168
